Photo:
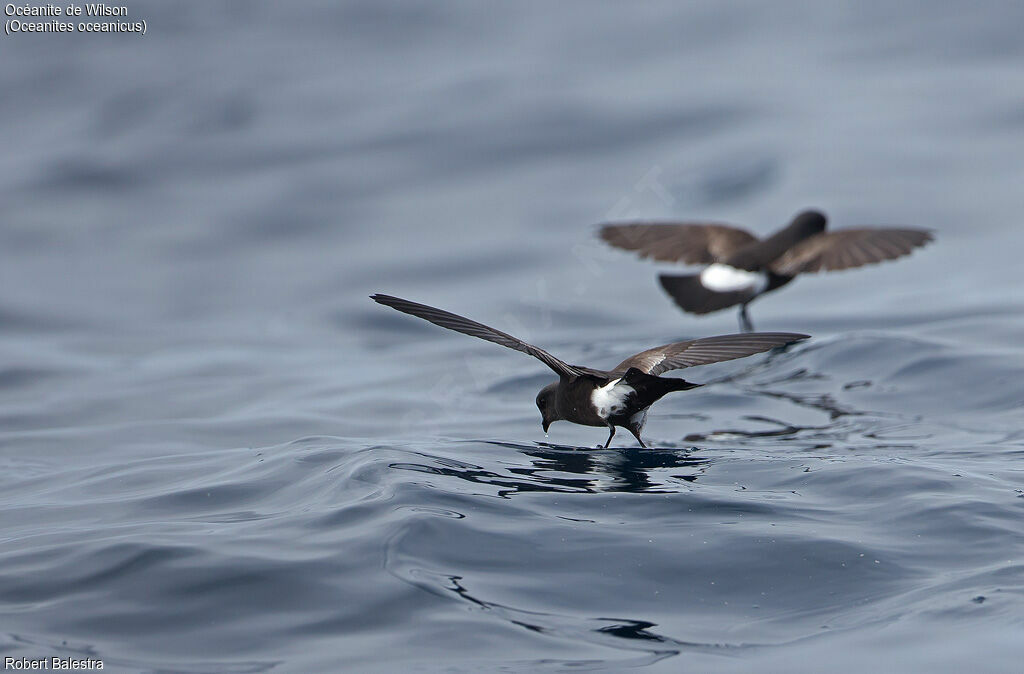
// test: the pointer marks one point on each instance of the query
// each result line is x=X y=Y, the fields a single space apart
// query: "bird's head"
x=810 y=222
x=546 y=405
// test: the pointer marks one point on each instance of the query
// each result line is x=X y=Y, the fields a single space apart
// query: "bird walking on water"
x=609 y=398
x=742 y=267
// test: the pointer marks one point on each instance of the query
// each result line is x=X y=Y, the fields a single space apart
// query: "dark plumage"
x=742 y=267
x=617 y=397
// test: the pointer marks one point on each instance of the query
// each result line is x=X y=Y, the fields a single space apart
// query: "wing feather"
x=849 y=248
x=689 y=243
x=680 y=355
x=446 y=319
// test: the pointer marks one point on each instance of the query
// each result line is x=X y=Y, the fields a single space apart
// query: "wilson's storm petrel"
x=609 y=398
x=741 y=267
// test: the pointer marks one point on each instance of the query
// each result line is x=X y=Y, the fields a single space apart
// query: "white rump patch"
x=725 y=279
x=610 y=398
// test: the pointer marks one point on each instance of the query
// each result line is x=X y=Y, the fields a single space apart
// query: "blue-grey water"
x=219 y=456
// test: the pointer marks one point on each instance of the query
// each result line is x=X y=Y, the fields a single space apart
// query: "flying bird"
x=608 y=398
x=741 y=267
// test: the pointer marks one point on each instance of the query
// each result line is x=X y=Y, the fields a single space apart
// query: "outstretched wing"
x=690 y=243
x=848 y=248
x=707 y=350
x=457 y=323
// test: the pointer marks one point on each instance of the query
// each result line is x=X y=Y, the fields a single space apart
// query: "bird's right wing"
x=689 y=243
x=707 y=350
x=458 y=323
x=848 y=248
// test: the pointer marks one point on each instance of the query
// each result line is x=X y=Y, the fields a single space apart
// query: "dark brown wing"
x=690 y=243
x=467 y=327
x=707 y=350
x=848 y=248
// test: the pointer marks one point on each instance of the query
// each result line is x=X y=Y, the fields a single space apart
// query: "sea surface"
x=218 y=455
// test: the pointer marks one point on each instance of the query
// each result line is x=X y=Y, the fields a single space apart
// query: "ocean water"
x=218 y=455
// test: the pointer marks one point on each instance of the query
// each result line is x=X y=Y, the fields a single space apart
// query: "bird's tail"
x=690 y=295
x=650 y=383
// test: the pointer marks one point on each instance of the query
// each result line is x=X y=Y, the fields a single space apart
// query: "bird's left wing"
x=446 y=319
x=686 y=242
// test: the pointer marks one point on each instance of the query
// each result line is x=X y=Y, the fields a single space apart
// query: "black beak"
x=544 y=424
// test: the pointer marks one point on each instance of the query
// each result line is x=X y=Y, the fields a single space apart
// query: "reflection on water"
x=618 y=470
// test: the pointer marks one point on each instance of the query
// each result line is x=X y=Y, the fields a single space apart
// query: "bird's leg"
x=745 y=324
x=610 y=436
x=636 y=434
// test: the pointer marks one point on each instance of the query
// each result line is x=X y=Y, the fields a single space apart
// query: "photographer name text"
x=54 y=663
